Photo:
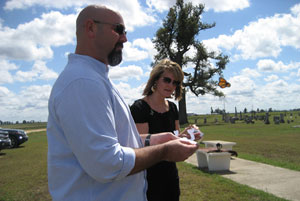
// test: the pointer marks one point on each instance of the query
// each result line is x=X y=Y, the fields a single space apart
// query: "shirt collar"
x=98 y=66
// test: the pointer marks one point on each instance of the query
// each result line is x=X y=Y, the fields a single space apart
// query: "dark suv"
x=4 y=140
x=16 y=136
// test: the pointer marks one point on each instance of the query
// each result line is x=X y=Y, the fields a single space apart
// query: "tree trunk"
x=182 y=109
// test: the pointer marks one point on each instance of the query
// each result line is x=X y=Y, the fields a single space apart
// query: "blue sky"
x=261 y=37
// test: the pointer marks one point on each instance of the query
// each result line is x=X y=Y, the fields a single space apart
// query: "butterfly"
x=223 y=83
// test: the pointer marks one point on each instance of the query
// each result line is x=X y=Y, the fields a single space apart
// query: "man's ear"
x=90 y=28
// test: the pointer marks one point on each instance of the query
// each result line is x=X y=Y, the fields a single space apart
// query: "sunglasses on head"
x=169 y=80
x=119 y=28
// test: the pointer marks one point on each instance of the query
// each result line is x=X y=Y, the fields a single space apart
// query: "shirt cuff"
x=129 y=161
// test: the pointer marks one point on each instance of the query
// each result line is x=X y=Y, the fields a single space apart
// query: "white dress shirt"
x=91 y=136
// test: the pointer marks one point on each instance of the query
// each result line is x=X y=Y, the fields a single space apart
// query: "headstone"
x=267 y=121
x=205 y=120
x=232 y=120
x=196 y=121
x=216 y=120
x=227 y=118
x=281 y=118
x=276 y=119
x=235 y=113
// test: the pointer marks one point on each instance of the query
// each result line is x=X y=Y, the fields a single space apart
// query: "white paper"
x=188 y=140
x=191 y=132
x=176 y=133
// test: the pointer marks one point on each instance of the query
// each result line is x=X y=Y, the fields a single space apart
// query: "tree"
x=177 y=37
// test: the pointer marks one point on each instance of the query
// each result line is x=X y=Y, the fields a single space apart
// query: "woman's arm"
x=158 y=138
x=143 y=128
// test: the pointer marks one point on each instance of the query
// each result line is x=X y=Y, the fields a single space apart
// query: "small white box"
x=202 y=159
x=225 y=144
x=218 y=161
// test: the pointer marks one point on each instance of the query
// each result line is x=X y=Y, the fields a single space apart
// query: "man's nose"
x=123 y=38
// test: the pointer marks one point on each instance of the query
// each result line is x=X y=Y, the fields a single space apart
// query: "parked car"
x=16 y=136
x=5 y=142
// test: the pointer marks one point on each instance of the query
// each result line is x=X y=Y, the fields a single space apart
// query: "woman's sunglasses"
x=169 y=80
x=119 y=28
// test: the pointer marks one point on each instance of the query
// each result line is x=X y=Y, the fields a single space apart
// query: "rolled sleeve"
x=129 y=161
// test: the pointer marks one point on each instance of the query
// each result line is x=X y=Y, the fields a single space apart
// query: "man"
x=94 y=149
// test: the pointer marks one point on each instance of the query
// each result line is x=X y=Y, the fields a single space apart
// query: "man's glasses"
x=169 y=80
x=119 y=28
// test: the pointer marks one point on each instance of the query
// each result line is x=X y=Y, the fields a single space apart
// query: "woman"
x=154 y=114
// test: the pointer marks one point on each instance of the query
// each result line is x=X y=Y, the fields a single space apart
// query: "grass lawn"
x=24 y=170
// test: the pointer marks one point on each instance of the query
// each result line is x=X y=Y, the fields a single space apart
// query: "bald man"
x=94 y=149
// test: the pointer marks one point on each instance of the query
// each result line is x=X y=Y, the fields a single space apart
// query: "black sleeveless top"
x=163 y=181
x=158 y=122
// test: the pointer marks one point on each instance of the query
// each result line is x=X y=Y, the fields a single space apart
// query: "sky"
x=261 y=38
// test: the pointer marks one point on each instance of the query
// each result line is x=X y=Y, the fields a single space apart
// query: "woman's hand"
x=195 y=131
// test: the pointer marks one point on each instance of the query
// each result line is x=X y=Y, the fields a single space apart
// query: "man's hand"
x=162 y=138
x=178 y=150
x=174 y=149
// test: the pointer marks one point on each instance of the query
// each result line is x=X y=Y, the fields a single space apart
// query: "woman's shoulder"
x=172 y=105
x=139 y=104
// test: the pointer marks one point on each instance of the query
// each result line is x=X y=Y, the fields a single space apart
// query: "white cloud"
x=30 y=104
x=298 y=74
x=147 y=45
x=241 y=85
x=39 y=71
x=250 y=72
x=224 y=5
x=5 y=75
x=133 y=53
x=33 y=40
x=268 y=65
x=216 y=5
x=296 y=9
x=3 y=92
x=125 y=73
x=271 y=78
x=262 y=38
x=130 y=94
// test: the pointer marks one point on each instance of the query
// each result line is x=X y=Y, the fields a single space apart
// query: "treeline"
x=17 y=122
x=220 y=111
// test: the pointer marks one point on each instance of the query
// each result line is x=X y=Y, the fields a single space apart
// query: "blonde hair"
x=158 y=70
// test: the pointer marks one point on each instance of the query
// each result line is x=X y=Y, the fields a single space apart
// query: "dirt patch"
x=36 y=130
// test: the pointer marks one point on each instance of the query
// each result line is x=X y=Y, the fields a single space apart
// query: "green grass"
x=24 y=170
x=197 y=185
